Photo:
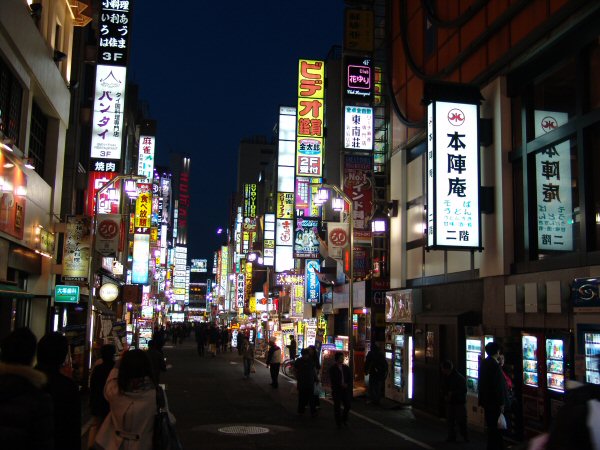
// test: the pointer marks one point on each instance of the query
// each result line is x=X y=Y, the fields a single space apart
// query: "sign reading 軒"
x=453 y=217
x=553 y=186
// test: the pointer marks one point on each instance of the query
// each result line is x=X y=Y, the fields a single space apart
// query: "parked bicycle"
x=287 y=368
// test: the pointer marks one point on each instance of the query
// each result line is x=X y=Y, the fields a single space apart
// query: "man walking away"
x=377 y=368
x=493 y=394
x=292 y=347
x=248 y=357
x=340 y=377
x=274 y=362
x=454 y=388
x=306 y=377
x=200 y=334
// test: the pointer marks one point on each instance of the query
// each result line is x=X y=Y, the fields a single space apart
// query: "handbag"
x=164 y=436
x=502 y=422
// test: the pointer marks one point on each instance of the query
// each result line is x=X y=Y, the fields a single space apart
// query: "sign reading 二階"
x=453 y=217
x=66 y=294
x=553 y=186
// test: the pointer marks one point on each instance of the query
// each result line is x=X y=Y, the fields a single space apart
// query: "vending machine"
x=591 y=342
x=534 y=396
x=475 y=354
x=398 y=353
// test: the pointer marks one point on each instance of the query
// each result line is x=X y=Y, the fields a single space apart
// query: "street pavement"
x=217 y=409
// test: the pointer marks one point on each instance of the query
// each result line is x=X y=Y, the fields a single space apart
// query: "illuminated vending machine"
x=592 y=356
x=534 y=379
x=558 y=369
x=398 y=353
x=475 y=354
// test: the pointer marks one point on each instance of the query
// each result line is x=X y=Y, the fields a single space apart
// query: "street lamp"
x=338 y=205
x=91 y=271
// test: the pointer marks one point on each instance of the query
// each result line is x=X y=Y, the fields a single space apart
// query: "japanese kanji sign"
x=143 y=210
x=250 y=207
x=309 y=157
x=358 y=128
x=306 y=190
x=240 y=291
x=269 y=240
x=76 y=251
x=553 y=186
x=114 y=32
x=66 y=294
x=146 y=158
x=453 y=218
x=359 y=78
x=358 y=187
x=285 y=205
x=358 y=30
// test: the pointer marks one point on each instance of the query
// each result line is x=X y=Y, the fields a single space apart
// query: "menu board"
x=530 y=362
x=473 y=357
x=555 y=365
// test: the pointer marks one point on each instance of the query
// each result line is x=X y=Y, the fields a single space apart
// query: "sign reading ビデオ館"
x=453 y=217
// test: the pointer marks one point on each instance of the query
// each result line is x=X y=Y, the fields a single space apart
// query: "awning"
x=11 y=291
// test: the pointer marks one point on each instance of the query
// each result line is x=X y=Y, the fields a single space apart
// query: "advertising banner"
x=77 y=251
x=285 y=205
x=306 y=242
x=199 y=265
x=13 y=191
x=359 y=78
x=358 y=186
x=108 y=203
x=141 y=255
x=313 y=285
x=306 y=189
x=108 y=232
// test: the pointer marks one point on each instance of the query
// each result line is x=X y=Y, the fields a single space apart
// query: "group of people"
x=40 y=407
x=217 y=338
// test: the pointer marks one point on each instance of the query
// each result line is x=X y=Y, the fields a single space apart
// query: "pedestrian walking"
x=174 y=334
x=306 y=377
x=26 y=418
x=157 y=359
x=239 y=342
x=376 y=367
x=131 y=394
x=274 y=362
x=454 y=389
x=225 y=338
x=247 y=357
x=200 y=335
x=99 y=407
x=314 y=356
x=213 y=338
x=292 y=347
x=493 y=395
x=340 y=377
x=52 y=352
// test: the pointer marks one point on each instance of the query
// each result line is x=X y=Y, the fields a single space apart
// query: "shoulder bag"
x=164 y=436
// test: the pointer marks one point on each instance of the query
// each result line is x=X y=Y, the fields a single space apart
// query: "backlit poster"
x=141 y=256
x=306 y=238
x=358 y=128
x=359 y=188
x=77 y=248
x=553 y=186
x=313 y=285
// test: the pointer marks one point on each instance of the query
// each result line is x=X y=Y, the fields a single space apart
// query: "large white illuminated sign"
x=553 y=186
x=146 y=158
x=453 y=216
x=358 y=128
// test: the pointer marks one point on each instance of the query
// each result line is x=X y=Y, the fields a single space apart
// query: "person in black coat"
x=306 y=376
x=292 y=347
x=99 y=407
x=376 y=367
x=493 y=394
x=340 y=377
x=51 y=354
x=454 y=388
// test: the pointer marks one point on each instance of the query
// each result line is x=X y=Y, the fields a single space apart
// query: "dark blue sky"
x=216 y=72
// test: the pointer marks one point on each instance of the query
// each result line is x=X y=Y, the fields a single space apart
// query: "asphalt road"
x=217 y=409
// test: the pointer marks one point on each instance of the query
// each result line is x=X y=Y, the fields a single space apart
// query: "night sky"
x=214 y=73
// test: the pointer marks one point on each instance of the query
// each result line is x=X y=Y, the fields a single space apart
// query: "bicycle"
x=287 y=368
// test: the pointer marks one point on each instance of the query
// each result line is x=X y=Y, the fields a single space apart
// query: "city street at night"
x=217 y=409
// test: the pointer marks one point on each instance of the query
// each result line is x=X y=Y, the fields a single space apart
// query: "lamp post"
x=257 y=256
x=91 y=270
x=338 y=206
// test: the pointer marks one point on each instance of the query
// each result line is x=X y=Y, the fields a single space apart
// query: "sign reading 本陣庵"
x=453 y=217
x=358 y=128
x=553 y=186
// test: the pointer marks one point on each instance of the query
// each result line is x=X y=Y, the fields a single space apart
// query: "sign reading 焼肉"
x=453 y=217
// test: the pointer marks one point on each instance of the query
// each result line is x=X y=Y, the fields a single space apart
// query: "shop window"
x=11 y=94
x=554 y=93
x=37 y=138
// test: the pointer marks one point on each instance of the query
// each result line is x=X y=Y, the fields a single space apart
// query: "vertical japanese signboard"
x=453 y=216
x=141 y=256
x=240 y=291
x=76 y=252
x=313 y=285
x=250 y=207
x=146 y=158
x=359 y=188
x=553 y=186
x=358 y=128
x=358 y=30
x=269 y=240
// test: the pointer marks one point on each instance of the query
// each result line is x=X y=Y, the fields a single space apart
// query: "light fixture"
x=379 y=222
x=251 y=257
x=260 y=260
x=322 y=196
x=21 y=191
x=337 y=204
x=8 y=165
x=131 y=188
x=113 y=194
x=29 y=163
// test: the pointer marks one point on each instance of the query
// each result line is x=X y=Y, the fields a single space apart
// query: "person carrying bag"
x=164 y=436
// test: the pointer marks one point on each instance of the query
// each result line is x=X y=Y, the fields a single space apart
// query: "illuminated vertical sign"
x=359 y=188
x=313 y=285
x=240 y=291
x=146 y=158
x=141 y=255
x=183 y=201
x=180 y=274
x=359 y=78
x=143 y=210
x=224 y=268
x=358 y=128
x=453 y=175
x=553 y=186
x=269 y=240
x=250 y=207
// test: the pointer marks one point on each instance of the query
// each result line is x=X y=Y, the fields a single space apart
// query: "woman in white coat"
x=132 y=397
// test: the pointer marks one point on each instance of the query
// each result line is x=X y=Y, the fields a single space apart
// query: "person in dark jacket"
x=200 y=334
x=493 y=395
x=274 y=362
x=292 y=347
x=306 y=377
x=26 y=413
x=51 y=354
x=340 y=377
x=157 y=358
x=454 y=388
x=377 y=368
x=99 y=407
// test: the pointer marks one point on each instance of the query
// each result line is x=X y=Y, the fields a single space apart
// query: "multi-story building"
x=529 y=69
